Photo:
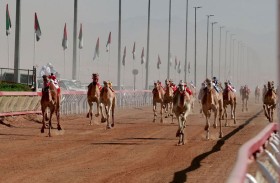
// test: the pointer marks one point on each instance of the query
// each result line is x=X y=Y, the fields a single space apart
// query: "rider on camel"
x=95 y=79
x=53 y=79
x=215 y=84
x=230 y=86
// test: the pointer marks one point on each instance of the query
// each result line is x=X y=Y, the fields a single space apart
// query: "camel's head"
x=181 y=86
x=226 y=84
x=168 y=82
x=107 y=83
x=209 y=83
x=270 y=84
x=45 y=78
x=95 y=77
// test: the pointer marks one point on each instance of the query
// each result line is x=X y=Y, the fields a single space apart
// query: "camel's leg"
x=166 y=110
x=265 y=111
x=225 y=113
x=50 y=120
x=234 y=113
x=207 y=126
x=108 y=115
x=154 y=109
x=161 y=112
x=43 y=120
x=89 y=114
x=215 y=110
x=103 y=119
x=220 y=116
x=113 y=112
x=246 y=104
x=97 y=109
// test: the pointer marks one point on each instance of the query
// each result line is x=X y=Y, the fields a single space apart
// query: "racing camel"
x=257 y=94
x=270 y=101
x=245 y=97
x=108 y=101
x=181 y=108
x=229 y=98
x=93 y=95
x=50 y=99
x=212 y=101
x=158 y=97
x=168 y=98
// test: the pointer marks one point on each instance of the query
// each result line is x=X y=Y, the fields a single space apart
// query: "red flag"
x=133 y=51
x=108 y=43
x=142 y=56
x=159 y=62
x=37 y=28
x=81 y=42
x=64 y=40
x=96 y=52
x=124 y=55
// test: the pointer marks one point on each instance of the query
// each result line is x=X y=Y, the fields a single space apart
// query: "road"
x=135 y=150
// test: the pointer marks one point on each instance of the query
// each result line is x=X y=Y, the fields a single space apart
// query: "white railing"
x=258 y=159
x=73 y=102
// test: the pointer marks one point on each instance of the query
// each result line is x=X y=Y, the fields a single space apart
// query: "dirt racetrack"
x=135 y=150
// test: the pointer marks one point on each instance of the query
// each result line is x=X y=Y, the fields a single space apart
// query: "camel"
x=158 y=97
x=264 y=92
x=168 y=99
x=93 y=95
x=240 y=91
x=108 y=101
x=257 y=94
x=270 y=101
x=50 y=99
x=229 y=98
x=193 y=96
x=245 y=97
x=181 y=108
x=212 y=100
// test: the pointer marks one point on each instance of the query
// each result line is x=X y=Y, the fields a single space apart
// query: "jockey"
x=186 y=87
x=52 y=77
x=215 y=84
x=173 y=86
x=231 y=87
x=95 y=79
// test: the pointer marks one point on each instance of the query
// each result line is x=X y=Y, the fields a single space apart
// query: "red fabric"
x=189 y=91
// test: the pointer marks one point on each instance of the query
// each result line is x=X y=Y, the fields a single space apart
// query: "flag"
x=81 y=42
x=159 y=62
x=124 y=55
x=133 y=51
x=37 y=28
x=179 y=67
x=64 y=40
x=96 y=52
x=170 y=60
x=143 y=56
x=175 y=63
x=108 y=43
x=8 y=21
x=189 y=68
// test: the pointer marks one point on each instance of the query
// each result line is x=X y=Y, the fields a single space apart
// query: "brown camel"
x=181 y=108
x=168 y=99
x=158 y=97
x=257 y=94
x=108 y=101
x=245 y=97
x=93 y=95
x=229 y=98
x=212 y=100
x=270 y=101
x=50 y=99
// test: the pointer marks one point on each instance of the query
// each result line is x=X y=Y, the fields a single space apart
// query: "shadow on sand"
x=181 y=176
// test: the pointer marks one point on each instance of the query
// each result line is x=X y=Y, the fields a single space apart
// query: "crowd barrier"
x=72 y=102
x=258 y=159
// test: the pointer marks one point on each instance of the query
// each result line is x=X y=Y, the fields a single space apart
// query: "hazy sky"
x=253 y=22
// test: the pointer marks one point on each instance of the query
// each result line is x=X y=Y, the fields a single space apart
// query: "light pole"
x=230 y=53
x=212 y=66
x=186 y=46
x=207 y=44
x=220 y=51
x=233 y=59
x=148 y=47
x=168 y=59
x=195 y=8
x=225 y=72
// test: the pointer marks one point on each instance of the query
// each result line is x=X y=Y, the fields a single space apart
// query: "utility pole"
x=74 y=66
x=17 y=42
x=148 y=46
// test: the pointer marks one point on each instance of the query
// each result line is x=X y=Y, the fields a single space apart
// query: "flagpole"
x=64 y=64
x=8 y=51
x=34 y=53
x=143 y=77
x=79 y=66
